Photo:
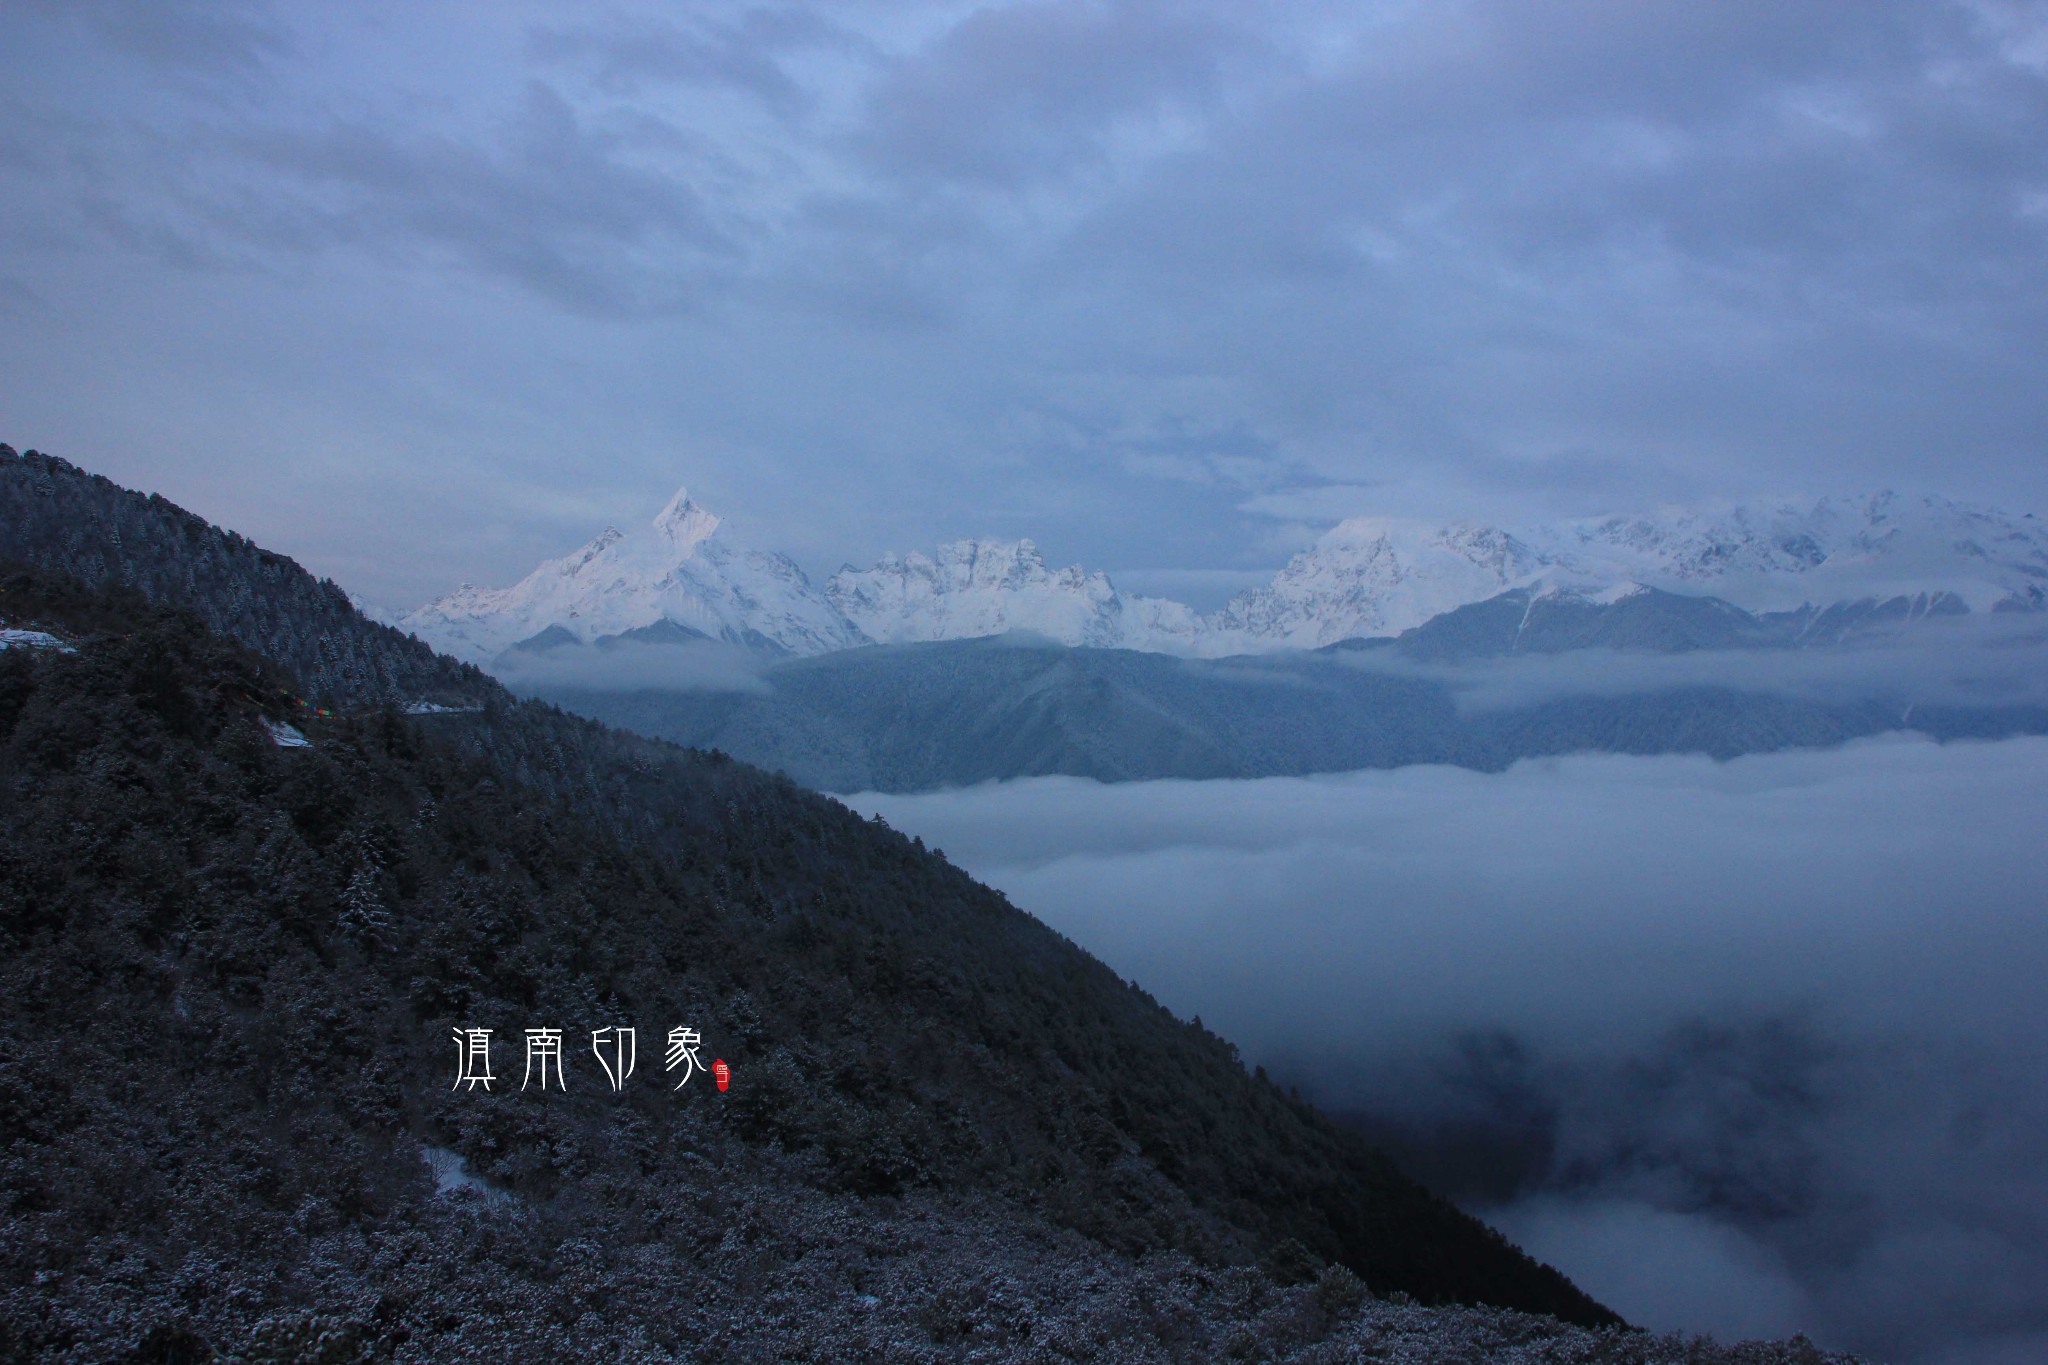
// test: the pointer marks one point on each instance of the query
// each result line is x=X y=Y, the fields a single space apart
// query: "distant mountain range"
x=1368 y=577
x=1523 y=674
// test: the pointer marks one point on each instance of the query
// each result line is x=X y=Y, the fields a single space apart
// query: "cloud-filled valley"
x=1750 y=1046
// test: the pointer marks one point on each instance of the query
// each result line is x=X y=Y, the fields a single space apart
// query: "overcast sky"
x=420 y=293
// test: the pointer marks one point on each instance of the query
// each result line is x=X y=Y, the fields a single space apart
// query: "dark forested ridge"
x=231 y=970
x=56 y=516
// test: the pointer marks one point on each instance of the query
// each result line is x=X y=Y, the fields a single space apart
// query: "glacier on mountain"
x=1368 y=576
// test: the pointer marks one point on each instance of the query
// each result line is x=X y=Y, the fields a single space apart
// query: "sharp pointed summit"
x=684 y=523
x=680 y=570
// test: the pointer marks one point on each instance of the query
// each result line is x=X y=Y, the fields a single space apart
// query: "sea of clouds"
x=1746 y=1047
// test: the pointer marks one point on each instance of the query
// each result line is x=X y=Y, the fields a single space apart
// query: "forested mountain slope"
x=230 y=969
x=55 y=515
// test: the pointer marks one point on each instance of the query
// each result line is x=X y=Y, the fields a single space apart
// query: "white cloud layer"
x=1985 y=660
x=1757 y=1046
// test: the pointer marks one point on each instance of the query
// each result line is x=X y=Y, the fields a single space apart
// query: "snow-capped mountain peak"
x=680 y=569
x=1378 y=576
x=684 y=523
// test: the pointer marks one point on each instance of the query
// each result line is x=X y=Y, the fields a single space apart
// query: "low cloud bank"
x=629 y=666
x=1747 y=1047
x=1980 y=660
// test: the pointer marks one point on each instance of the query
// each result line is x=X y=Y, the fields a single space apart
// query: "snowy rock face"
x=981 y=587
x=1377 y=576
x=679 y=569
x=1374 y=576
x=1771 y=556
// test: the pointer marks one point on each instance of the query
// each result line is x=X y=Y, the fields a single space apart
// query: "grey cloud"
x=745 y=53
x=559 y=206
x=18 y=300
x=1676 y=1267
x=1015 y=92
x=596 y=216
x=1769 y=1028
x=1884 y=1185
x=1506 y=259
x=1654 y=59
x=211 y=38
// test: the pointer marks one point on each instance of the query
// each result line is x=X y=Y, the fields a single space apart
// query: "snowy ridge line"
x=1366 y=577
